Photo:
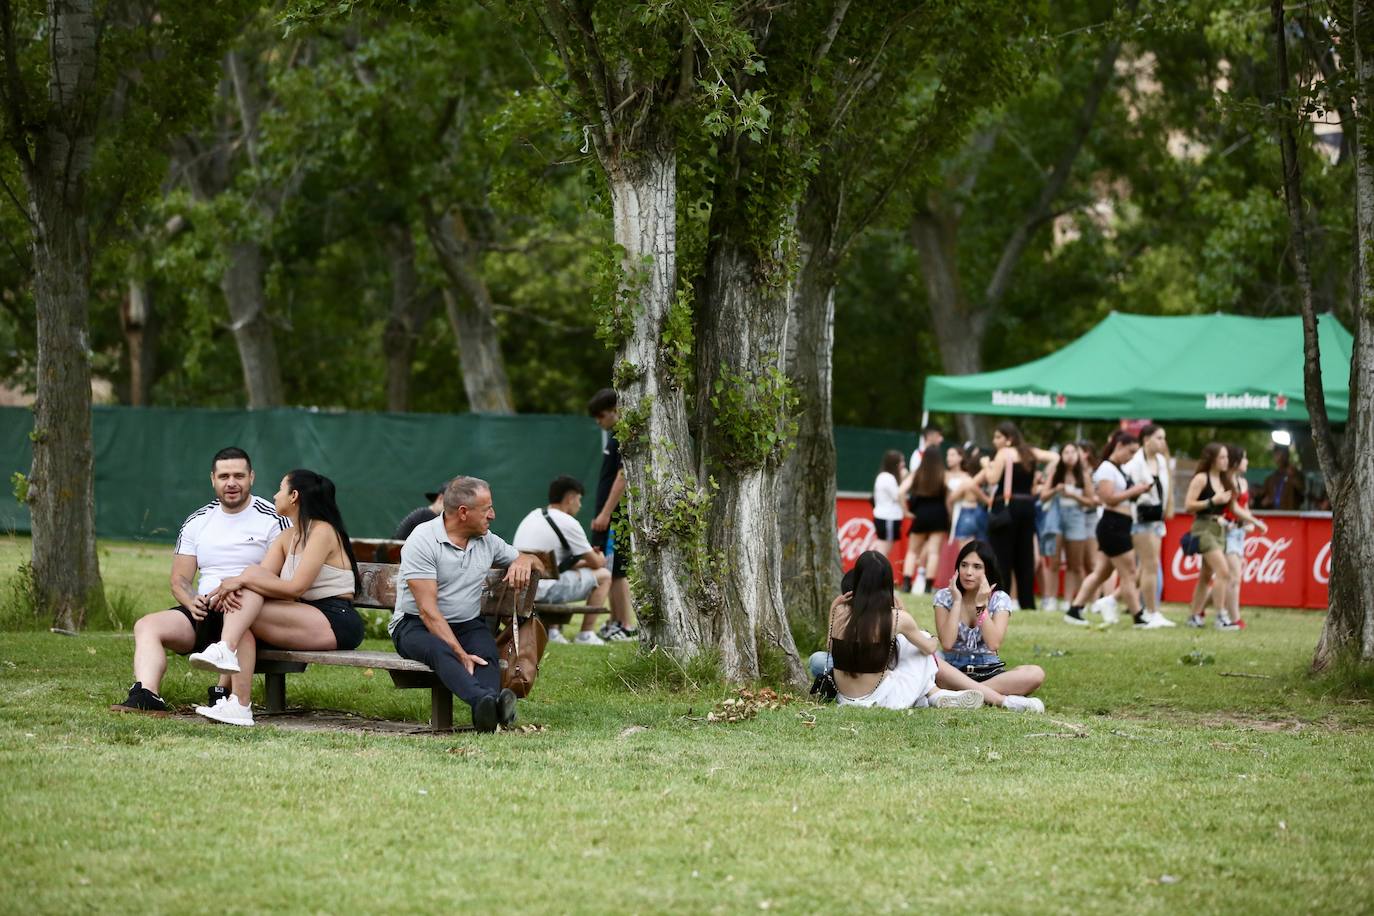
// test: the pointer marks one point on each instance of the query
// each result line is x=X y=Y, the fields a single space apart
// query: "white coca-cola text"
x=855 y=536
x=1264 y=561
x=1321 y=564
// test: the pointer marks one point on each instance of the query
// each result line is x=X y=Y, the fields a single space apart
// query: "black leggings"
x=1014 y=545
x=414 y=641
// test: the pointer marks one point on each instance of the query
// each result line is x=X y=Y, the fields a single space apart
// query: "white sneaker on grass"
x=588 y=638
x=955 y=699
x=1022 y=704
x=1107 y=608
x=229 y=711
x=1154 y=621
x=1051 y=605
x=556 y=636
x=1161 y=621
x=217 y=657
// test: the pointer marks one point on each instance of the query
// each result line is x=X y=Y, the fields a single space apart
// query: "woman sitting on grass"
x=971 y=618
x=301 y=597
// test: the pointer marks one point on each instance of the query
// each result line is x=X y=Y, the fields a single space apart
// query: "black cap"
x=435 y=495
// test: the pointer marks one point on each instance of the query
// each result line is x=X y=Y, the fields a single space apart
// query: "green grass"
x=1249 y=792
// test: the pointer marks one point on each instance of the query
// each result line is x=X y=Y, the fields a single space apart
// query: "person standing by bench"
x=612 y=539
x=300 y=597
x=444 y=564
x=218 y=540
x=582 y=572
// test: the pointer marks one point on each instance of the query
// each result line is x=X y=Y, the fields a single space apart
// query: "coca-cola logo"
x=856 y=536
x=1321 y=564
x=1263 y=562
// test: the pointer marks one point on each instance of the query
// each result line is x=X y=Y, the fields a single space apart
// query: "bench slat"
x=387 y=661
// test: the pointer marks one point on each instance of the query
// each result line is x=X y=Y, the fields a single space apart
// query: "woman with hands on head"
x=1212 y=492
x=971 y=618
x=300 y=597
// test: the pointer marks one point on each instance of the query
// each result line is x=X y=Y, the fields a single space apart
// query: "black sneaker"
x=142 y=700
x=215 y=694
x=505 y=707
x=484 y=714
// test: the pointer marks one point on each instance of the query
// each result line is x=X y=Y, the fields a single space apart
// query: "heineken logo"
x=1028 y=399
x=1246 y=401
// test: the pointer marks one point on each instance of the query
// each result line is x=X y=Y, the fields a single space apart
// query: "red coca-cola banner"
x=1289 y=566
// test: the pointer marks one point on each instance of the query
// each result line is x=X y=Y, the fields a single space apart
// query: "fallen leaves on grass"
x=528 y=729
x=747 y=703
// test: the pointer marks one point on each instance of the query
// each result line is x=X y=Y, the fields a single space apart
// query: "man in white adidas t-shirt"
x=218 y=540
x=583 y=569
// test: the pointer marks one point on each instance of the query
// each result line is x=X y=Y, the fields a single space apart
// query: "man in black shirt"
x=609 y=532
x=423 y=514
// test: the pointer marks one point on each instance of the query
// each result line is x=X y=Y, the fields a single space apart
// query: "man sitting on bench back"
x=582 y=571
x=218 y=540
x=444 y=566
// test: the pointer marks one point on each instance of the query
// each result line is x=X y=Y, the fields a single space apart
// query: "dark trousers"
x=415 y=642
x=1014 y=545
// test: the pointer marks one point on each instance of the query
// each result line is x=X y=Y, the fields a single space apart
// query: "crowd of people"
x=282 y=573
x=1096 y=516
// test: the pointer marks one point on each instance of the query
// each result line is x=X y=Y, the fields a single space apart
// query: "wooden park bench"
x=379 y=591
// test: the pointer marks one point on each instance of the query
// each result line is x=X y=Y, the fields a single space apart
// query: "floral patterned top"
x=969 y=648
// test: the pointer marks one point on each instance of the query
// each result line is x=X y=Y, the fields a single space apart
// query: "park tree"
x=87 y=89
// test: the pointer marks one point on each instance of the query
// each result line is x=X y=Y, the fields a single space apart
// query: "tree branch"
x=15 y=93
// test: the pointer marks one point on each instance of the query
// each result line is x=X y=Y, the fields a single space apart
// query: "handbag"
x=1000 y=516
x=1153 y=513
x=571 y=559
x=1189 y=543
x=521 y=642
x=982 y=673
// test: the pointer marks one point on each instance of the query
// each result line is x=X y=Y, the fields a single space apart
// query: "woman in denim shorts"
x=1069 y=487
x=1210 y=493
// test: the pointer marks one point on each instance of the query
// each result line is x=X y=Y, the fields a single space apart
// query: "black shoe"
x=505 y=707
x=484 y=714
x=142 y=700
x=215 y=694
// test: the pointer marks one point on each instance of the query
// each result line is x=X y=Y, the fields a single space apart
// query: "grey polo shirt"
x=429 y=554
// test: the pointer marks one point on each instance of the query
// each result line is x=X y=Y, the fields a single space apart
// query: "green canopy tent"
x=1198 y=368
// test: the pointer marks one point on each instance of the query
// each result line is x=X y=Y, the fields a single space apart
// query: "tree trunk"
x=806 y=486
x=140 y=340
x=675 y=594
x=741 y=336
x=66 y=572
x=472 y=314
x=959 y=325
x=1349 y=629
x=409 y=312
x=242 y=284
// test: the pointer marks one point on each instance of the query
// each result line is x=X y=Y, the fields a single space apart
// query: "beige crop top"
x=331 y=582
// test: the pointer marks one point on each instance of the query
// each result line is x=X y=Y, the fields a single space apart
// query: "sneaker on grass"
x=1227 y=625
x=140 y=699
x=229 y=711
x=955 y=699
x=1160 y=620
x=556 y=636
x=1022 y=704
x=1148 y=621
x=588 y=638
x=217 y=657
x=1074 y=617
x=1196 y=620
x=1107 y=608
x=1050 y=605
x=614 y=632
x=215 y=694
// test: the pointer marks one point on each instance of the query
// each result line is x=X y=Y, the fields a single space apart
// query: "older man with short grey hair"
x=444 y=564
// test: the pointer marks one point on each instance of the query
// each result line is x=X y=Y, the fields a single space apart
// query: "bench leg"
x=276 y=692
x=440 y=709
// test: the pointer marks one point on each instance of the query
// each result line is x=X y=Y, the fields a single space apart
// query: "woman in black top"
x=1014 y=542
x=928 y=502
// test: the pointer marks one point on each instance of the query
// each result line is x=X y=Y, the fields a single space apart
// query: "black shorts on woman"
x=1114 y=534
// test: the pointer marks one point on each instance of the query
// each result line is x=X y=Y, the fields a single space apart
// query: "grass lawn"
x=1151 y=785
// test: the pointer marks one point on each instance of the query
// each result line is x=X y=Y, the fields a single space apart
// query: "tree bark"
x=806 y=486
x=66 y=572
x=242 y=285
x=139 y=324
x=409 y=312
x=471 y=313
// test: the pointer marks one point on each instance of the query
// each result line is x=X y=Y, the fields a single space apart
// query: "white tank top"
x=332 y=582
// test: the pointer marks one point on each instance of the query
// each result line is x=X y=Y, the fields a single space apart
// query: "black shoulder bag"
x=571 y=560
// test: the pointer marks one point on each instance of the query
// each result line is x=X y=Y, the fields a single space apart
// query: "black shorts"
x=208 y=629
x=621 y=561
x=1114 y=534
x=887 y=529
x=931 y=516
x=343 y=618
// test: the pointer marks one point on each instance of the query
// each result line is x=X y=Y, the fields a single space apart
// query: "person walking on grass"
x=888 y=494
x=1067 y=485
x=1213 y=492
x=582 y=572
x=444 y=566
x=880 y=657
x=1114 y=535
x=929 y=504
x=1012 y=472
x=612 y=539
x=216 y=541
x=1151 y=466
x=299 y=597
x=971 y=619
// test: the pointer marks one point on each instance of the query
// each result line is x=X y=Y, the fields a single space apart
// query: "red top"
x=1243 y=498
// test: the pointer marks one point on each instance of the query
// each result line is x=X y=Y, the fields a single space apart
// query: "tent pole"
x=1078 y=436
x=925 y=419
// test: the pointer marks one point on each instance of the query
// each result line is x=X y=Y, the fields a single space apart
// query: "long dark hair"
x=1012 y=432
x=870 y=608
x=985 y=553
x=316 y=493
x=1061 y=470
x=1089 y=453
x=892 y=462
x=930 y=476
x=1117 y=439
x=1207 y=460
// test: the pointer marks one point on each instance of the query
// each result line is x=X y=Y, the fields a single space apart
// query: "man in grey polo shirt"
x=444 y=564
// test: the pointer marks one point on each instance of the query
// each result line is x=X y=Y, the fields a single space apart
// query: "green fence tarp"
x=1199 y=368
x=152 y=465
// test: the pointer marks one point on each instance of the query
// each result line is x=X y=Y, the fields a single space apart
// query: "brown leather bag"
x=521 y=641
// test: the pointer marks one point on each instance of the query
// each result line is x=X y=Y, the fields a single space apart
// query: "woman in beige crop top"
x=300 y=596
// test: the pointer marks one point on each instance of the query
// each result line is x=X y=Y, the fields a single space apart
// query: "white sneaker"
x=918 y=586
x=588 y=638
x=216 y=657
x=1161 y=621
x=1015 y=605
x=1153 y=621
x=229 y=711
x=1051 y=605
x=1022 y=704
x=955 y=699
x=556 y=636
x=1107 y=608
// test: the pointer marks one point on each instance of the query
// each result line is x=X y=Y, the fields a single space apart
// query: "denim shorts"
x=1155 y=528
x=1073 y=522
x=972 y=522
x=1235 y=541
x=1049 y=544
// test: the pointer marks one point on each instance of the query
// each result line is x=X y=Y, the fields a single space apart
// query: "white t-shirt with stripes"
x=226 y=543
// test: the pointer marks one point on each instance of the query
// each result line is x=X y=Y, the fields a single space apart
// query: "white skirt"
x=902 y=686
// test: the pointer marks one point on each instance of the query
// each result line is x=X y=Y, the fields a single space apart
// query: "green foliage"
x=675 y=338
x=632 y=430
x=19 y=609
x=19 y=481
x=755 y=414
